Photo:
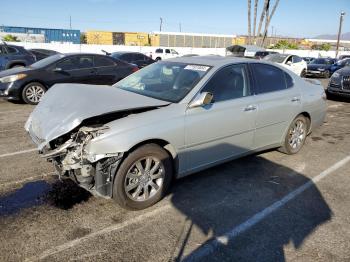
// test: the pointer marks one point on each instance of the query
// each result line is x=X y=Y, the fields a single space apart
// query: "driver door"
x=225 y=128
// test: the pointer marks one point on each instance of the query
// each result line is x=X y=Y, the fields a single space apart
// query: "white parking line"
x=18 y=152
x=106 y=230
x=224 y=239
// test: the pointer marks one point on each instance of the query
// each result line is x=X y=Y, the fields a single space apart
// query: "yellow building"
x=99 y=37
x=136 y=39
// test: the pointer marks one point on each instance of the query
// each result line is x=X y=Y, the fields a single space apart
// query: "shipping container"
x=99 y=37
x=50 y=34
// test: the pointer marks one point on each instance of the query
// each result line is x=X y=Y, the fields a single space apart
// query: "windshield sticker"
x=197 y=68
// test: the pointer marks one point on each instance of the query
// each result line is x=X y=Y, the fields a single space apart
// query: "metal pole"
x=161 y=24
x=70 y=22
x=339 y=33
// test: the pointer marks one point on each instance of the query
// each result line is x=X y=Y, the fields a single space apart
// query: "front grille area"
x=346 y=82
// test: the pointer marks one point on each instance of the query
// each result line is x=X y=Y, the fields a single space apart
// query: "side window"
x=68 y=64
x=159 y=51
x=268 y=78
x=167 y=51
x=11 y=50
x=103 y=61
x=290 y=59
x=296 y=59
x=139 y=57
x=2 y=50
x=289 y=80
x=127 y=57
x=85 y=62
x=229 y=83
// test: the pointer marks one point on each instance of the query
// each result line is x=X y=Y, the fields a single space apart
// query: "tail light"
x=134 y=69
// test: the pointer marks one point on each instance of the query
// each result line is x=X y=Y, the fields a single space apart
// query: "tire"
x=303 y=73
x=292 y=145
x=136 y=188
x=33 y=92
x=327 y=74
x=158 y=59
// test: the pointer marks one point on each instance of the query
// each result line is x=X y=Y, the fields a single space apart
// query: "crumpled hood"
x=65 y=106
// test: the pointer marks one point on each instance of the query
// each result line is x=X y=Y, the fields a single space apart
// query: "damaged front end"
x=71 y=159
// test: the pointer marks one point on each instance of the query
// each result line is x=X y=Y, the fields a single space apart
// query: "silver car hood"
x=65 y=106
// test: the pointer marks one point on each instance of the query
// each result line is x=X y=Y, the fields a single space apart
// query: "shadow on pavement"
x=220 y=199
x=61 y=194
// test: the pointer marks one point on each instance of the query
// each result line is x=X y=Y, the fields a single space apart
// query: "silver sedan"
x=171 y=119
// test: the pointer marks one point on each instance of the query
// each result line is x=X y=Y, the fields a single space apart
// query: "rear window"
x=277 y=58
x=269 y=78
x=103 y=61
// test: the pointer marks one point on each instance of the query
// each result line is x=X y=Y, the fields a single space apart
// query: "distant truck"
x=164 y=53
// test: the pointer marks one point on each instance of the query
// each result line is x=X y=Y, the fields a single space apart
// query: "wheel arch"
x=308 y=117
x=167 y=146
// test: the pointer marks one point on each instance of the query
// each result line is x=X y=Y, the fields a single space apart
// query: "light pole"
x=339 y=32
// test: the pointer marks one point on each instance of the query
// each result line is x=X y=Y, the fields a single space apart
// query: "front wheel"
x=327 y=74
x=143 y=177
x=33 y=92
x=296 y=135
x=303 y=73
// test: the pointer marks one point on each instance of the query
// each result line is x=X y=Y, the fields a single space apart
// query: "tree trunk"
x=254 y=23
x=268 y=20
x=249 y=21
x=266 y=3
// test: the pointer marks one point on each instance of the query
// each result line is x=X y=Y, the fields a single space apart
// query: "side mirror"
x=202 y=99
x=289 y=63
x=57 y=70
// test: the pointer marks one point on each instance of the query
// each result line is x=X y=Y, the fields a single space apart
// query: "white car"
x=292 y=62
x=164 y=53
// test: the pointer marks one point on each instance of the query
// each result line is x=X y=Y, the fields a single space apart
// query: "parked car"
x=320 y=67
x=262 y=54
x=341 y=57
x=30 y=83
x=292 y=62
x=339 y=84
x=14 y=56
x=40 y=54
x=308 y=59
x=171 y=119
x=340 y=64
x=135 y=58
x=164 y=53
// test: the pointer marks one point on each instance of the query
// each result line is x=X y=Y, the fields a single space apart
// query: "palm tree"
x=268 y=20
x=263 y=12
x=249 y=21
x=254 y=23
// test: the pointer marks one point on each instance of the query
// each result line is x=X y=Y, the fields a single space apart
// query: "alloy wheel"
x=297 y=134
x=34 y=93
x=144 y=179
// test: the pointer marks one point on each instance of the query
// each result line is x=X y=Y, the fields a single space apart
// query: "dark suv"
x=14 y=56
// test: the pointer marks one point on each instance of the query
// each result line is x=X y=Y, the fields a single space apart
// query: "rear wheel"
x=158 y=58
x=143 y=177
x=296 y=135
x=303 y=73
x=18 y=65
x=33 y=92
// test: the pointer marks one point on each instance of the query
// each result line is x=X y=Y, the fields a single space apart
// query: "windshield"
x=169 y=81
x=47 y=61
x=343 y=62
x=320 y=61
x=277 y=58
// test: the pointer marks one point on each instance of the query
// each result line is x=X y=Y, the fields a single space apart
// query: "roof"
x=212 y=60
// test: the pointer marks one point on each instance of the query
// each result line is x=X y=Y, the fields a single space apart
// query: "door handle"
x=250 y=108
x=295 y=99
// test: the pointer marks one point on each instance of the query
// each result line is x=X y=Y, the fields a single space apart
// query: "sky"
x=294 y=18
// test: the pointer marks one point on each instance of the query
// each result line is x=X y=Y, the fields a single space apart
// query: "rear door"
x=107 y=72
x=278 y=103
x=226 y=127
